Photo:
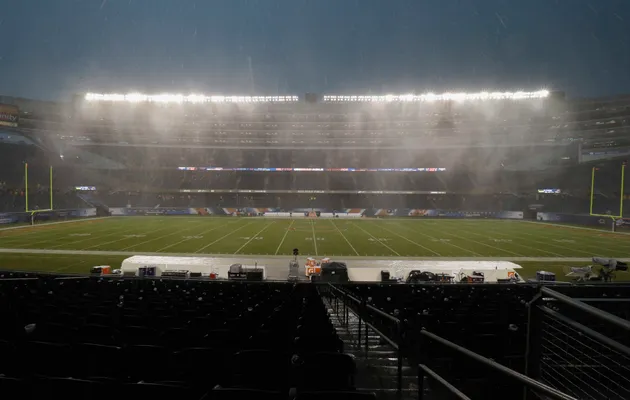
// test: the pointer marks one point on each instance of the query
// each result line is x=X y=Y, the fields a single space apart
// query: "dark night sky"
x=52 y=48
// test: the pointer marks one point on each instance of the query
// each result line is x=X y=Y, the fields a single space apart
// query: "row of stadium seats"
x=13 y=201
x=103 y=389
x=111 y=337
x=490 y=320
x=452 y=202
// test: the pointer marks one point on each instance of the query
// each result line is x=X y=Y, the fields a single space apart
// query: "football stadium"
x=310 y=246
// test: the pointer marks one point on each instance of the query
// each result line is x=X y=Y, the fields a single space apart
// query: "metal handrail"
x=594 y=311
x=383 y=336
x=531 y=383
x=368 y=306
x=344 y=293
x=586 y=330
x=432 y=374
x=383 y=314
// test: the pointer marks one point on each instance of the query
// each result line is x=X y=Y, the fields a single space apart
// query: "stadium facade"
x=476 y=152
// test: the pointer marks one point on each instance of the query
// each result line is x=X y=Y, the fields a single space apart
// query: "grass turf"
x=325 y=237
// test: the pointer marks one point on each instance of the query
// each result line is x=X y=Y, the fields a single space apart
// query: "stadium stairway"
x=88 y=199
x=377 y=367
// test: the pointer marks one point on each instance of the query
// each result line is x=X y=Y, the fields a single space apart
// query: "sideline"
x=289 y=257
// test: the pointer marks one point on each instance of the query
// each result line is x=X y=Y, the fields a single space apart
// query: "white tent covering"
x=492 y=270
x=204 y=265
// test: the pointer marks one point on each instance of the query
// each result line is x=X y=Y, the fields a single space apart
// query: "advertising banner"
x=8 y=219
x=9 y=115
x=54 y=215
x=574 y=219
x=131 y=211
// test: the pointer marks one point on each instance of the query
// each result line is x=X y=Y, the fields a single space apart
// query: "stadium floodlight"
x=432 y=97
x=167 y=98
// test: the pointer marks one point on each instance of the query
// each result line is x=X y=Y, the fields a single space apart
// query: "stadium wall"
x=54 y=215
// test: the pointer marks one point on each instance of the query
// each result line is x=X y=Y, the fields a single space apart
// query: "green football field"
x=72 y=247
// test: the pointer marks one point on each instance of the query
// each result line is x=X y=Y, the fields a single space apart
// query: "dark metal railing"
x=424 y=371
x=592 y=311
x=362 y=310
x=586 y=330
x=525 y=380
x=571 y=354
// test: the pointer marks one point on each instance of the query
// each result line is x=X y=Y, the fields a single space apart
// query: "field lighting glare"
x=167 y=98
x=432 y=97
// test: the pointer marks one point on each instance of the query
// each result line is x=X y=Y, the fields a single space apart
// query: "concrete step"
x=392 y=394
x=371 y=347
x=372 y=336
x=378 y=361
x=390 y=383
x=389 y=370
x=372 y=353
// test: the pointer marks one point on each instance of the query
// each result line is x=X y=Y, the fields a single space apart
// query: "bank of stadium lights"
x=166 y=98
x=432 y=97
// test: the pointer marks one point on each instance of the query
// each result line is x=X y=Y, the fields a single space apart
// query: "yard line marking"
x=283 y=237
x=517 y=244
x=115 y=231
x=565 y=247
x=411 y=241
x=314 y=238
x=376 y=240
x=150 y=240
x=433 y=238
x=223 y=237
x=483 y=244
x=119 y=240
x=581 y=239
x=185 y=240
x=254 y=237
x=53 y=236
x=619 y=242
x=344 y=237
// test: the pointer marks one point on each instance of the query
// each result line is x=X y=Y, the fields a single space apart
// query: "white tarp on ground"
x=368 y=270
x=204 y=265
x=492 y=270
